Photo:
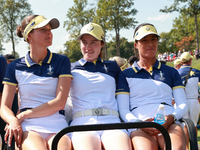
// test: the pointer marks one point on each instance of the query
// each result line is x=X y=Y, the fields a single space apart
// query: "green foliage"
x=73 y=50
x=126 y=48
x=182 y=28
x=187 y=8
x=191 y=7
x=116 y=15
x=77 y=16
x=1 y=45
x=166 y=43
x=12 y=13
x=110 y=14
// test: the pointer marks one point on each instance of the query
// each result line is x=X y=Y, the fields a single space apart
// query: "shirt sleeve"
x=122 y=84
x=65 y=70
x=10 y=75
x=177 y=82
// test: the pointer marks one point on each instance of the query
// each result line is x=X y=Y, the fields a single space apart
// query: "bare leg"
x=32 y=140
x=86 y=141
x=63 y=144
x=187 y=137
x=177 y=136
x=143 y=141
x=117 y=141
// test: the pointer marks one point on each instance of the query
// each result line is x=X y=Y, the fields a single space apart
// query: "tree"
x=78 y=16
x=1 y=46
x=101 y=18
x=166 y=42
x=116 y=15
x=126 y=48
x=186 y=43
x=12 y=12
x=73 y=50
x=191 y=7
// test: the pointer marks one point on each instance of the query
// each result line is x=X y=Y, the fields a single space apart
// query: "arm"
x=123 y=104
x=127 y=116
x=52 y=106
x=181 y=110
x=180 y=100
x=14 y=127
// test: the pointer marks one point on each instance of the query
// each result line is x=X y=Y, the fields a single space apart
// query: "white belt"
x=95 y=112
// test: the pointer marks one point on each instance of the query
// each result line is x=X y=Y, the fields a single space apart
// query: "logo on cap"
x=90 y=28
x=147 y=28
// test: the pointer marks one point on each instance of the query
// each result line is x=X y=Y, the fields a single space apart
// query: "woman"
x=43 y=79
x=93 y=95
x=146 y=85
x=122 y=62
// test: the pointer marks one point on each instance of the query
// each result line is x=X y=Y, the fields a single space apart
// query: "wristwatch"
x=175 y=119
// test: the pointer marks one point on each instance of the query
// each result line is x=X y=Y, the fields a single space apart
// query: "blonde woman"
x=43 y=79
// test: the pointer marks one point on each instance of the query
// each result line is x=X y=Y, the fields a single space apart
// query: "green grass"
x=195 y=64
x=198 y=136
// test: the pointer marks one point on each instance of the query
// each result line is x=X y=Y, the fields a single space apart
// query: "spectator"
x=142 y=88
x=9 y=58
x=191 y=88
x=43 y=79
x=179 y=53
x=177 y=63
x=122 y=62
x=132 y=59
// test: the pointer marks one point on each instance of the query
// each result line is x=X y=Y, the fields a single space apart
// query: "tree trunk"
x=13 y=45
x=197 y=37
x=117 y=44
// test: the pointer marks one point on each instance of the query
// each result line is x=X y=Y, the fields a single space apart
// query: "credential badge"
x=161 y=75
x=50 y=70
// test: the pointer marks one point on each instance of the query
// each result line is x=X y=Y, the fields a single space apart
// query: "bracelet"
x=175 y=119
x=138 y=120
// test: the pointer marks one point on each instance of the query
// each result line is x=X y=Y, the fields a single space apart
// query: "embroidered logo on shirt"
x=192 y=73
x=105 y=68
x=50 y=70
x=161 y=75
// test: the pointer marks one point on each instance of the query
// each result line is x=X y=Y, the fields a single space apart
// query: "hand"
x=150 y=131
x=13 y=129
x=169 y=120
x=21 y=116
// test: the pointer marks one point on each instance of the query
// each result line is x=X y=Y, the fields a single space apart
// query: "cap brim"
x=145 y=34
x=88 y=34
x=54 y=23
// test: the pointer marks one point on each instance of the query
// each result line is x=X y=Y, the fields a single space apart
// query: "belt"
x=95 y=112
x=161 y=103
x=62 y=112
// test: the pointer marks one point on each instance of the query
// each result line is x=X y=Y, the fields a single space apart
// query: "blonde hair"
x=122 y=62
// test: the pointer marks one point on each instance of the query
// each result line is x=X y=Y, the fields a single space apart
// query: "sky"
x=148 y=11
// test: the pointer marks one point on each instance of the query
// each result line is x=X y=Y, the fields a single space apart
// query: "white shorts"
x=49 y=124
x=89 y=120
x=193 y=110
